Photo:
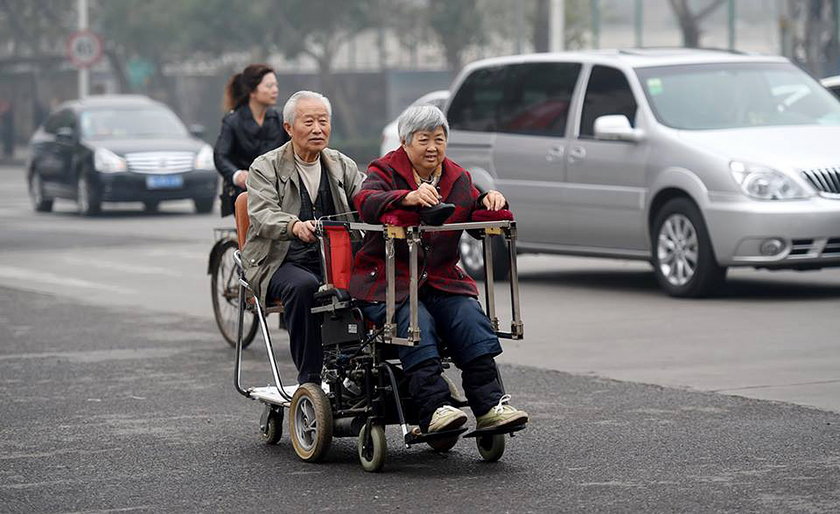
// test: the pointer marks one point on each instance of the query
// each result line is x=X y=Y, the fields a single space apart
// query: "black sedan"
x=119 y=148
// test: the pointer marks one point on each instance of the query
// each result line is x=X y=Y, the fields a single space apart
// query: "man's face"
x=310 y=131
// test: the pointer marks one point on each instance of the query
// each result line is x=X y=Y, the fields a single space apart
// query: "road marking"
x=119 y=266
x=29 y=275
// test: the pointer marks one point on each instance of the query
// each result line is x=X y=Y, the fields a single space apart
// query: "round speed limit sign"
x=84 y=48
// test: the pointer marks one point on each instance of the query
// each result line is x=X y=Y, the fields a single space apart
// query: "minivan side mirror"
x=65 y=135
x=616 y=127
x=197 y=130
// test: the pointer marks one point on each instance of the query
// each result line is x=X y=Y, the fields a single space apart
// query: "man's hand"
x=240 y=178
x=493 y=201
x=424 y=196
x=304 y=230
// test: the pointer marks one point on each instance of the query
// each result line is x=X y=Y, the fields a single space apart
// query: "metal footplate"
x=496 y=430
x=271 y=395
x=417 y=438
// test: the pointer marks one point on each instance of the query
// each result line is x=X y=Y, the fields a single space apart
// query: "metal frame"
x=277 y=395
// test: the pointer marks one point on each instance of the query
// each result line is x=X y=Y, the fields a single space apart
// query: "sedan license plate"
x=164 y=181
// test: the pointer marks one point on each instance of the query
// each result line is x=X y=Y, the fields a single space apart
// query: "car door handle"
x=577 y=153
x=555 y=153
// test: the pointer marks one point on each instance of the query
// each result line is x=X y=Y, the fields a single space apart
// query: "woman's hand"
x=424 y=196
x=240 y=178
x=304 y=230
x=493 y=201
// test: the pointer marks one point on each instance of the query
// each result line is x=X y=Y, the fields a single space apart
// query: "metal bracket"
x=394 y=232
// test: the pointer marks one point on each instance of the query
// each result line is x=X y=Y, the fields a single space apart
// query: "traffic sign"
x=84 y=48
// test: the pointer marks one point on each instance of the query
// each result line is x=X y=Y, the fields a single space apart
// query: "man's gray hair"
x=290 y=109
x=421 y=117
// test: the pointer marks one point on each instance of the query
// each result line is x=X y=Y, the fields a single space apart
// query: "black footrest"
x=496 y=430
x=417 y=438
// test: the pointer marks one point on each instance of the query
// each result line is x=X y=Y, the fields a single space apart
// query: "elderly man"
x=289 y=188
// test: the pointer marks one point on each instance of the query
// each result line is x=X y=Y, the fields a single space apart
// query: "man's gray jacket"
x=274 y=203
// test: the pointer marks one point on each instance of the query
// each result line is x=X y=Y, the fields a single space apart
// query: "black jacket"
x=241 y=141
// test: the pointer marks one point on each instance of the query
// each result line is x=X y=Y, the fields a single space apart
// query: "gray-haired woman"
x=417 y=175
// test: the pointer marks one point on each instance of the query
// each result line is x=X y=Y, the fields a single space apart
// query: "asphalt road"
x=111 y=409
x=117 y=390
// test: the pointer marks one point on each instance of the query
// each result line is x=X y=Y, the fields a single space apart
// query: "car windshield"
x=131 y=122
x=722 y=96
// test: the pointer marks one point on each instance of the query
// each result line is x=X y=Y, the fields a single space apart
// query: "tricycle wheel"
x=491 y=447
x=373 y=454
x=310 y=423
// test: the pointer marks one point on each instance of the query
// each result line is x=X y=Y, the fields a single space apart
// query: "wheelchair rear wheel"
x=224 y=285
x=372 y=451
x=310 y=422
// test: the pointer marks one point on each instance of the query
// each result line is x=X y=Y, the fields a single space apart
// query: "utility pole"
x=596 y=23
x=520 y=26
x=556 y=25
x=731 y=24
x=84 y=73
x=639 y=16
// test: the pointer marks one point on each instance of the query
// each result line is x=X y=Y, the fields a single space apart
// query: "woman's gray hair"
x=290 y=109
x=421 y=117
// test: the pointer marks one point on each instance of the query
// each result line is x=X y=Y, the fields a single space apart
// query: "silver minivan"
x=694 y=160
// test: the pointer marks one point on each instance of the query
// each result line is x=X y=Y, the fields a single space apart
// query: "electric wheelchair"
x=363 y=386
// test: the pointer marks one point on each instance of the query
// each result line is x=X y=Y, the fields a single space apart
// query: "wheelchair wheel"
x=443 y=445
x=272 y=426
x=310 y=423
x=373 y=456
x=224 y=288
x=491 y=447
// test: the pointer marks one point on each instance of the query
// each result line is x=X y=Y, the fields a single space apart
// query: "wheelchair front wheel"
x=310 y=422
x=373 y=454
x=491 y=447
x=224 y=288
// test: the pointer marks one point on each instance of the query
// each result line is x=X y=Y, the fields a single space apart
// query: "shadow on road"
x=764 y=287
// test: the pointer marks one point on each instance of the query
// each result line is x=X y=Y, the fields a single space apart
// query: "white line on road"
x=120 y=266
x=30 y=275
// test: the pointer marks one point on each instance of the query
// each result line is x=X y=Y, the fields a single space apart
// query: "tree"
x=457 y=25
x=318 y=29
x=574 y=29
x=690 y=21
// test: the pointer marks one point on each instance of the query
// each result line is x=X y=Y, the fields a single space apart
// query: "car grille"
x=825 y=180
x=810 y=248
x=160 y=162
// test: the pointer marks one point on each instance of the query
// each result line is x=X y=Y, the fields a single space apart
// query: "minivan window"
x=537 y=98
x=476 y=104
x=734 y=95
x=607 y=92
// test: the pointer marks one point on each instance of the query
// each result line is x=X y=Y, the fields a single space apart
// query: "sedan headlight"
x=763 y=183
x=204 y=158
x=107 y=161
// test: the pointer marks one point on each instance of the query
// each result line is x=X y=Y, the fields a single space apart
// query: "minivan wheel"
x=683 y=259
x=87 y=199
x=36 y=194
x=472 y=257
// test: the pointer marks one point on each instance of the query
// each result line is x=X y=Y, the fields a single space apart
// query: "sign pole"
x=84 y=73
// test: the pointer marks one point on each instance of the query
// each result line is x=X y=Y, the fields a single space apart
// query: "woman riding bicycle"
x=251 y=128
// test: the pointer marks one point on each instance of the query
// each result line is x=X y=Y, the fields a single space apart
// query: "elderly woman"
x=418 y=175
